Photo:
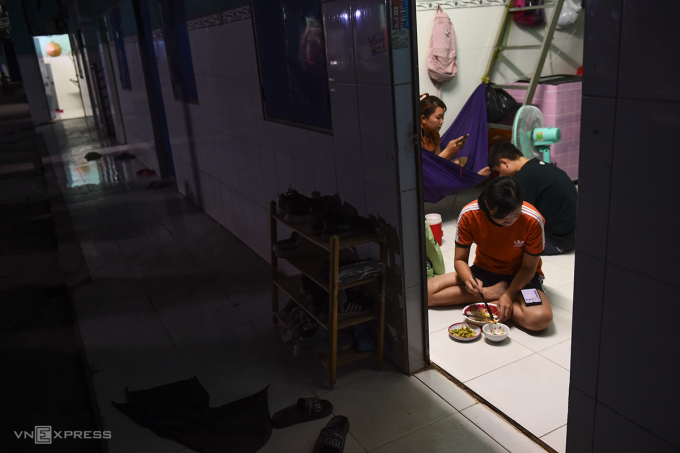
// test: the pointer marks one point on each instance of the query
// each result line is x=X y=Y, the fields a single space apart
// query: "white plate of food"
x=463 y=331
x=478 y=314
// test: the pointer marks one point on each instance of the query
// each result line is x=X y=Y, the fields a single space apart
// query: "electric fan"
x=529 y=135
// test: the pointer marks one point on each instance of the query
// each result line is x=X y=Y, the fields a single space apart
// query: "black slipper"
x=306 y=409
x=332 y=438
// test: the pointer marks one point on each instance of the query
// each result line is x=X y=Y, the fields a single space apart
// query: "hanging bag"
x=530 y=17
x=441 y=55
x=499 y=104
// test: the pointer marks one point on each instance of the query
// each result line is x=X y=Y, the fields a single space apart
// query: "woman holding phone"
x=432 y=111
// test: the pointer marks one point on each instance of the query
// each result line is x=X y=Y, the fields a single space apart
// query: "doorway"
x=62 y=84
x=526 y=377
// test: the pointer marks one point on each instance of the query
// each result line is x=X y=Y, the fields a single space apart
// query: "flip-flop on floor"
x=306 y=409
x=332 y=438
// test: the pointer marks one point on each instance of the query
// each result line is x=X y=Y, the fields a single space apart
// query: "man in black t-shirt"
x=545 y=186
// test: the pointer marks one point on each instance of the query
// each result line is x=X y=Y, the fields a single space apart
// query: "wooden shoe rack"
x=332 y=251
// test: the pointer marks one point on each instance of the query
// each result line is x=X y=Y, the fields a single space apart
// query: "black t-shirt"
x=553 y=193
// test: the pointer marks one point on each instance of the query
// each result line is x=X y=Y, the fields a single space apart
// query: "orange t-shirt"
x=500 y=249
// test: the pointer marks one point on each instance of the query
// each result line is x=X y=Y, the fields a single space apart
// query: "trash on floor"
x=93 y=155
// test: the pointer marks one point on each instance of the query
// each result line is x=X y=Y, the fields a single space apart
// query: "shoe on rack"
x=360 y=271
x=317 y=344
x=325 y=268
x=326 y=205
x=353 y=309
x=304 y=248
x=344 y=227
x=286 y=244
x=352 y=304
x=298 y=212
x=286 y=198
x=295 y=207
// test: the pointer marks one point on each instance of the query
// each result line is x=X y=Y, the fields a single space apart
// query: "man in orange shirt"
x=510 y=238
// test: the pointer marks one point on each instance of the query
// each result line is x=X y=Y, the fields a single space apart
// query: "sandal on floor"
x=306 y=409
x=332 y=438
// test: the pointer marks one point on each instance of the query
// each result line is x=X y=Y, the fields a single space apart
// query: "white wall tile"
x=339 y=42
x=346 y=127
x=285 y=172
x=269 y=180
x=371 y=42
x=352 y=191
x=323 y=162
x=377 y=135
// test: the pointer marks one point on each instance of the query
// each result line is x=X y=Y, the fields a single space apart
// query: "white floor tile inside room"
x=174 y=295
x=526 y=377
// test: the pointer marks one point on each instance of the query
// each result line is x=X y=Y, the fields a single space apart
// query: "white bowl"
x=496 y=332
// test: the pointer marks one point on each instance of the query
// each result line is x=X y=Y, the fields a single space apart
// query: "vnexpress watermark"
x=45 y=434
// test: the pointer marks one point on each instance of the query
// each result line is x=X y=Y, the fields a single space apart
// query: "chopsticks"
x=484 y=300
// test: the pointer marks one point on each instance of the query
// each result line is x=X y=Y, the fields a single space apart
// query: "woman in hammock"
x=432 y=111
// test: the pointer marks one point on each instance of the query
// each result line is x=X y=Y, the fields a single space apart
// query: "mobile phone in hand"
x=463 y=139
x=531 y=297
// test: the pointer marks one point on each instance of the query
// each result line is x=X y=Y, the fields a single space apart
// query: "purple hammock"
x=442 y=177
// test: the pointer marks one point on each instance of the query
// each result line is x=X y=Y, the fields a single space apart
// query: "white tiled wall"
x=223 y=145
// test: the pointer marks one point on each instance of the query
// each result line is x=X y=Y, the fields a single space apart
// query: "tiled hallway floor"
x=526 y=377
x=174 y=295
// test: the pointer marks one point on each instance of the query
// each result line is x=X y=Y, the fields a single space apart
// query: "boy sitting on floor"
x=510 y=237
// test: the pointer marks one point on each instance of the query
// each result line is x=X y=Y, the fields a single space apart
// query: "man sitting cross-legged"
x=510 y=237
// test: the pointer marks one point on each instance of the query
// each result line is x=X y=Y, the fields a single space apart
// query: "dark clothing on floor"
x=180 y=411
x=553 y=193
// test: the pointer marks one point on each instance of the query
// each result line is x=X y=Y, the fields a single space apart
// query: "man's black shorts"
x=490 y=278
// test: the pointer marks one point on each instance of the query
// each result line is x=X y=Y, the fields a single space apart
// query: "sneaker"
x=286 y=198
x=295 y=207
x=352 y=303
x=326 y=205
x=353 y=309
